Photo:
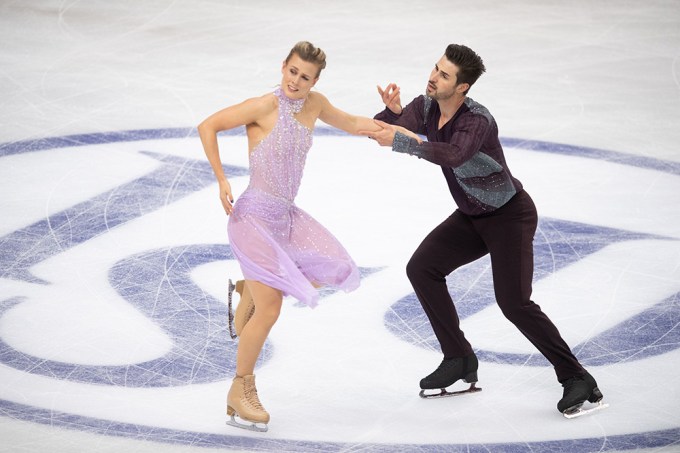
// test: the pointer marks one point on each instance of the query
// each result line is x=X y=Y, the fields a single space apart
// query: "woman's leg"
x=268 y=303
x=242 y=398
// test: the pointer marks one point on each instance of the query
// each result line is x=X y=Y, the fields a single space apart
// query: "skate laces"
x=446 y=365
x=250 y=393
x=572 y=381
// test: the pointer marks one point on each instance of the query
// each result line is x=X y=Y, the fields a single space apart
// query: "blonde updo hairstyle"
x=307 y=52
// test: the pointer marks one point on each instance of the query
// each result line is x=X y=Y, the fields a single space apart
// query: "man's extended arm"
x=470 y=132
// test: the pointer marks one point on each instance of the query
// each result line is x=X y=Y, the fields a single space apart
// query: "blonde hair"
x=307 y=52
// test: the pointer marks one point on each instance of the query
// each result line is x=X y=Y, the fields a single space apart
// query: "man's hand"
x=384 y=136
x=390 y=97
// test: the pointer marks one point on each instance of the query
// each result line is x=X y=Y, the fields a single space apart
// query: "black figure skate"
x=577 y=390
x=448 y=372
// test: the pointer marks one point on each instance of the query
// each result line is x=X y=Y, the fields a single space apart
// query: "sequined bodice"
x=277 y=162
x=276 y=242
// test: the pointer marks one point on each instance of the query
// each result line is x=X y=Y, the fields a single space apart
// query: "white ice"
x=601 y=75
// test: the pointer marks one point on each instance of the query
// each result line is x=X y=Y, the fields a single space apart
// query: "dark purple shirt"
x=467 y=148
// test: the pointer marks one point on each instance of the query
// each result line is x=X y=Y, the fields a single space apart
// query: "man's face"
x=443 y=81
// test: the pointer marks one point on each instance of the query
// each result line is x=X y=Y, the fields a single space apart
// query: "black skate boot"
x=448 y=372
x=577 y=390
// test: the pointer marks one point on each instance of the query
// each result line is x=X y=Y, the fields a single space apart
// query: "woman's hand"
x=385 y=136
x=226 y=197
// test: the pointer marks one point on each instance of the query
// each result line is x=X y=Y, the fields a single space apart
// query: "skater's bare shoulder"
x=247 y=112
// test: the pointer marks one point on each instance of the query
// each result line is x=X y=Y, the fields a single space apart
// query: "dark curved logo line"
x=163 y=275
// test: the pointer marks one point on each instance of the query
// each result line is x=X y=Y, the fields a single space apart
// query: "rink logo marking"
x=28 y=246
x=99 y=138
x=472 y=290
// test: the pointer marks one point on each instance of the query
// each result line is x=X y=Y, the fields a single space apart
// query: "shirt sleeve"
x=470 y=133
x=411 y=116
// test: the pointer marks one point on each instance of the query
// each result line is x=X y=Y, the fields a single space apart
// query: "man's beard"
x=436 y=96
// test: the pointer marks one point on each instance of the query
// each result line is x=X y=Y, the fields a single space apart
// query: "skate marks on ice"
x=559 y=244
x=158 y=282
x=168 y=272
x=602 y=280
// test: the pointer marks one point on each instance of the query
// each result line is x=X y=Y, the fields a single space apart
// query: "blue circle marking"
x=133 y=277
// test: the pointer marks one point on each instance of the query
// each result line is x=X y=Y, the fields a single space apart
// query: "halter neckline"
x=295 y=105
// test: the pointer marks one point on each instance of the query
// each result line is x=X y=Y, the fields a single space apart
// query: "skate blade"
x=580 y=411
x=444 y=393
x=251 y=426
x=230 y=311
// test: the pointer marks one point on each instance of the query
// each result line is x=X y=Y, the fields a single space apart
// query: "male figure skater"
x=495 y=215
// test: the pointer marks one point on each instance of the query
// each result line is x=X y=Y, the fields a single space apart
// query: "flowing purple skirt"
x=280 y=245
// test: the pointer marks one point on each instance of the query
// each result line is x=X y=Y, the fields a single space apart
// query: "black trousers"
x=507 y=236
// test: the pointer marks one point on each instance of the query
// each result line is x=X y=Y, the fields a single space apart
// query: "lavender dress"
x=275 y=242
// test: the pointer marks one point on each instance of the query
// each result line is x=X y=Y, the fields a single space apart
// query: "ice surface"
x=114 y=257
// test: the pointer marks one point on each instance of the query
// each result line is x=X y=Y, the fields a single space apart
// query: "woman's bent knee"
x=268 y=311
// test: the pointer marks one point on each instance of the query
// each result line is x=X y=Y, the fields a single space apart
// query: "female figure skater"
x=280 y=248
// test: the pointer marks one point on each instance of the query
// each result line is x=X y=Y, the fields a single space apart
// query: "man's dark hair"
x=470 y=65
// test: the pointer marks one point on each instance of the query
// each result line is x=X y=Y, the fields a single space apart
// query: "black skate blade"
x=252 y=426
x=230 y=311
x=444 y=393
x=579 y=411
